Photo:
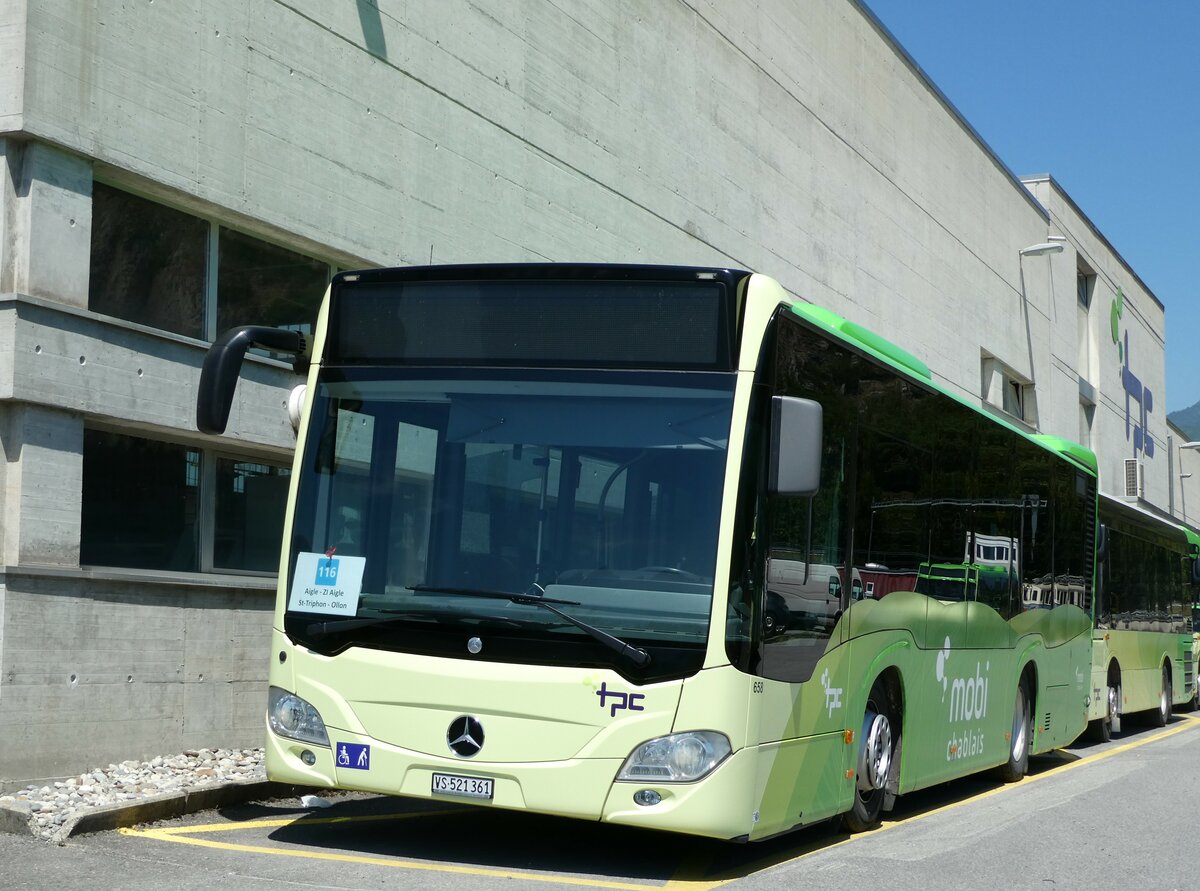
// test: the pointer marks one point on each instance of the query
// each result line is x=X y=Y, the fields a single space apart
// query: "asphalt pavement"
x=1113 y=815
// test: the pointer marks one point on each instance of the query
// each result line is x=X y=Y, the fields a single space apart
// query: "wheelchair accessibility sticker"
x=354 y=756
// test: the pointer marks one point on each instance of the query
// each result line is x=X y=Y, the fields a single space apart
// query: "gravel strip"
x=133 y=781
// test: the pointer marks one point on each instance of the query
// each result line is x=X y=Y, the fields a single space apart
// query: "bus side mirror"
x=796 y=432
x=223 y=364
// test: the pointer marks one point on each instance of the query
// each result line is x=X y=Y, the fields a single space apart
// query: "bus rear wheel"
x=1020 y=735
x=1103 y=729
x=1163 y=713
x=875 y=754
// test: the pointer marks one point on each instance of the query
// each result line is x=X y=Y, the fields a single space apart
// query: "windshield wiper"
x=318 y=630
x=493 y=595
x=636 y=655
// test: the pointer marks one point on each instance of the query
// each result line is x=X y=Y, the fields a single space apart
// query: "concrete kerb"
x=17 y=817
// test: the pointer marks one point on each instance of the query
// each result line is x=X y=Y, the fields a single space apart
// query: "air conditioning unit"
x=1135 y=478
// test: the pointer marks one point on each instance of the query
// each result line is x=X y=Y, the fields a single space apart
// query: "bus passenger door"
x=802 y=714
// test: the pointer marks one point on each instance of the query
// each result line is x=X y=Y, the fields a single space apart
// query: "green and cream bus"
x=1142 y=659
x=526 y=554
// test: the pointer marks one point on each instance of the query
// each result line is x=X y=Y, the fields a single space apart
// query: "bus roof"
x=901 y=360
x=1148 y=520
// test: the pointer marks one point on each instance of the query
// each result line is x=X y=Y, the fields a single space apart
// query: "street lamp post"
x=1053 y=245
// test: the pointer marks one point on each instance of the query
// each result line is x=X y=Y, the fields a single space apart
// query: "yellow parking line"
x=187 y=835
x=182 y=834
x=288 y=821
x=174 y=836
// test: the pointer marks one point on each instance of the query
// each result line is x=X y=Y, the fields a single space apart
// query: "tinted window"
x=140 y=503
x=251 y=499
x=802 y=569
x=602 y=489
x=1146 y=579
x=148 y=262
x=263 y=284
x=924 y=494
x=559 y=323
x=1033 y=472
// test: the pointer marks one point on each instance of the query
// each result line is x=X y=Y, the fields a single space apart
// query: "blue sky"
x=1105 y=97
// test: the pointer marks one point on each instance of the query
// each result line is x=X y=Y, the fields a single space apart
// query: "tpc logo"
x=620 y=700
x=1136 y=420
x=327 y=572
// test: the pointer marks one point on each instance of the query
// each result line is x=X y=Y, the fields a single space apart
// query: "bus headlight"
x=678 y=758
x=290 y=716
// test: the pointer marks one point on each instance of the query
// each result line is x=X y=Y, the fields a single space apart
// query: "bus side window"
x=804 y=537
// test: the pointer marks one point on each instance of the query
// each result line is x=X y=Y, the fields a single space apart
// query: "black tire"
x=876 y=753
x=1102 y=730
x=1020 y=736
x=1161 y=715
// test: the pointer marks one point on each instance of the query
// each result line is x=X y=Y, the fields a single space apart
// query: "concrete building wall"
x=789 y=139
x=793 y=139
x=124 y=668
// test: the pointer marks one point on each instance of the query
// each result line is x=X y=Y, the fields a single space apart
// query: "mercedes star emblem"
x=465 y=736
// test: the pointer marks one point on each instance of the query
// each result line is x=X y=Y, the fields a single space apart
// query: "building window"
x=146 y=505
x=1014 y=398
x=140 y=503
x=250 y=501
x=1087 y=417
x=1085 y=284
x=1006 y=390
x=262 y=284
x=148 y=262
x=168 y=269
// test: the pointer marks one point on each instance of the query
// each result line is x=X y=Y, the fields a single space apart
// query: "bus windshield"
x=599 y=490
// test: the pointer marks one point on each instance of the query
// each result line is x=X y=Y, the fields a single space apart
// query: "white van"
x=812 y=592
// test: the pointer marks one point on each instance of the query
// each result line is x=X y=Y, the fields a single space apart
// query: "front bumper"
x=717 y=806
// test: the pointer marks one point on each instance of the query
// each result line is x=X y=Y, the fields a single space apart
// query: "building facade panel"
x=122 y=670
x=105 y=369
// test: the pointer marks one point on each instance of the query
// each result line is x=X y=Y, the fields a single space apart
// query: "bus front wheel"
x=1019 y=737
x=876 y=750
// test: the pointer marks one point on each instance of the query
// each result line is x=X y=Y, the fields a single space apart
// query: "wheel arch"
x=886 y=667
x=889 y=675
x=1030 y=670
x=893 y=680
x=887 y=663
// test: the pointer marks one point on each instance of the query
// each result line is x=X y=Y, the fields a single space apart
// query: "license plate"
x=466 y=787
